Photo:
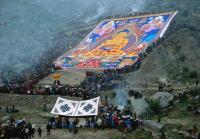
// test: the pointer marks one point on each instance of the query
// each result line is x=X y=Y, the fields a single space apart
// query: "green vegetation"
x=142 y=134
x=155 y=106
x=194 y=92
x=177 y=48
x=138 y=134
x=193 y=74
x=185 y=69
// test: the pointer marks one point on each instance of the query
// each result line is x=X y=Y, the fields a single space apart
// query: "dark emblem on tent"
x=87 y=107
x=95 y=100
x=65 y=108
x=74 y=104
x=55 y=110
x=60 y=101
x=82 y=103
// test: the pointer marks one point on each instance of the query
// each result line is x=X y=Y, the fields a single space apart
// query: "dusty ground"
x=67 y=77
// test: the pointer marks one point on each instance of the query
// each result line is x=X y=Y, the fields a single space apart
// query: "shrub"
x=193 y=74
x=185 y=13
x=182 y=58
x=177 y=48
x=185 y=69
x=194 y=92
x=155 y=106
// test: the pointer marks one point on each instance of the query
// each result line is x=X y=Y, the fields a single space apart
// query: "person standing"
x=7 y=109
x=48 y=129
x=39 y=132
x=13 y=108
x=197 y=83
x=74 y=126
x=33 y=129
x=194 y=131
x=27 y=133
x=70 y=127
x=187 y=84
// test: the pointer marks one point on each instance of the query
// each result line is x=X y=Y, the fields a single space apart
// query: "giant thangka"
x=67 y=107
x=115 y=43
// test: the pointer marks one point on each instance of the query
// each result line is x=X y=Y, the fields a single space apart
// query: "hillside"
x=177 y=54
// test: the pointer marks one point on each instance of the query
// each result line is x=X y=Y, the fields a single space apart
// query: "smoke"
x=28 y=28
x=121 y=97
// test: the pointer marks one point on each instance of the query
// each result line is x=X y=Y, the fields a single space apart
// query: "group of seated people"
x=108 y=117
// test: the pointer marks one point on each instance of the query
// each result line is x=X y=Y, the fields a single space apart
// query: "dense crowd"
x=93 y=83
x=90 y=86
x=109 y=117
x=18 y=129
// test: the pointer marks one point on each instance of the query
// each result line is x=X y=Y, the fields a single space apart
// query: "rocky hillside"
x=177 y=54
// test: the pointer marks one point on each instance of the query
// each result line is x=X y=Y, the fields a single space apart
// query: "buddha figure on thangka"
x=111 y=50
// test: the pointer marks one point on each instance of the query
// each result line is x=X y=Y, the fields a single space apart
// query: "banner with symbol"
x=67 y=107
x=64 y=107
x=88 y=107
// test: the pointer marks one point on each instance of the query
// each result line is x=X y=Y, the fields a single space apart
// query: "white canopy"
x=67 y=107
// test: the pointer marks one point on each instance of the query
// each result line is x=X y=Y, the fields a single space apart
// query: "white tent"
x=67 y=107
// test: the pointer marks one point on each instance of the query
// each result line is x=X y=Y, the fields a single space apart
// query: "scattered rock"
x=157 y=127
x=164 y=98
x=46 y=115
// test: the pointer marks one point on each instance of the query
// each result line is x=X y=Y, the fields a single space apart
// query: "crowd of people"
x=89 y=87
x=18 y=129
x=93 y=83
x=108 y=117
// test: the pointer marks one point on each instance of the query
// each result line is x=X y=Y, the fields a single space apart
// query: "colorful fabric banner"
x=115 y=43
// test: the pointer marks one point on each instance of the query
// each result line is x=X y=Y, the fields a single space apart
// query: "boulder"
x=139 y=106
x=153 y=125
x=163 y=97
x=46 y=115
